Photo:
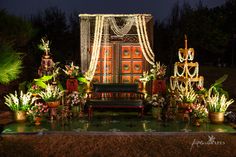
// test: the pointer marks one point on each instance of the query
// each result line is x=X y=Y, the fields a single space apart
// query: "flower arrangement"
x=20 y=102
x=34 y=89
x=73 y=98
x=218 y=103
x=187 y=96
x=71 y=70
x=51 y=93
x=156 y=100
x=199 y=112
x=158 y=71
x=217 y=98
x=38 y=110
x=44 y=46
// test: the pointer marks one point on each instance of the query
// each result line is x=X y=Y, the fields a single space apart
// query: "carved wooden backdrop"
x=124 y=63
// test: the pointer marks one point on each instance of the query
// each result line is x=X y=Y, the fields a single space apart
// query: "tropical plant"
x=217 y=97
x=217 y=86
x=42 y=81
x=158 y=71
x=20 y=102
x=218 y=103
x=51 y=93
x=10 y=64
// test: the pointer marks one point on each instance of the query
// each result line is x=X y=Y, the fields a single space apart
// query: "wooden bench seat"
x=114 y=96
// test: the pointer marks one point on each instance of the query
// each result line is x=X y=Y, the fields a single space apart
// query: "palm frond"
x=10 y=64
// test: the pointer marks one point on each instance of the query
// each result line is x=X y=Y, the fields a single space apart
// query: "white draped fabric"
x=96 y=47
x=140 y=22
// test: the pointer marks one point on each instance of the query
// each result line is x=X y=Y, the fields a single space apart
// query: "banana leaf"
x=82 y=79
x=41 y=82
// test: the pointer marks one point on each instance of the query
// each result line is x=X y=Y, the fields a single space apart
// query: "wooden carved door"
x=120 y=63
x=104 y=72
x=132 y=64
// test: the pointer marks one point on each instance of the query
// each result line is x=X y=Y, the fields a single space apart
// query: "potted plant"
x=199 y=114
x=51 y=95
x=74 y=100
x=185 y=102
x=217 y=101
x=72 y=71
x=157 y=102
x=217 y=105
x=158 y=72
x=36 y=112
x=19 y=104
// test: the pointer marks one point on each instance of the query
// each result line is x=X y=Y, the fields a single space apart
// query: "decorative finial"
x=185 y=41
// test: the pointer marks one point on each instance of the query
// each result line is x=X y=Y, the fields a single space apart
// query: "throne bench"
x=114 y=96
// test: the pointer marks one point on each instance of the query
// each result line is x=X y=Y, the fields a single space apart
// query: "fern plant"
x=10 y=64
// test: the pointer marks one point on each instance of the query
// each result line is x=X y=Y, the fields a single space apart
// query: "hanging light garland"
x=146 y=37
x=121 y=31
x=137 y=19
x=96 y=47
x=142 y=41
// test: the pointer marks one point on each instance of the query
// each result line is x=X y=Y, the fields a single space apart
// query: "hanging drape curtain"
x=96 y=47
x=121 y=31
x=142 y=35
x=143 y=39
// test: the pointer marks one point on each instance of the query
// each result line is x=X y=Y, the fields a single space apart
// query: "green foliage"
x=42 y=81
x=51 y=93
x=217 y=96
x=10 y=64
x=82 y=79
x=21 y=102
x=217 y=87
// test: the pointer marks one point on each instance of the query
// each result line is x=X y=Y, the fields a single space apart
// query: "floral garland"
x=96 y=48
x=142 y=35
x=146 y=37
x=120 y=32
x=186 y=70
x=189 y=56
x=143 y=41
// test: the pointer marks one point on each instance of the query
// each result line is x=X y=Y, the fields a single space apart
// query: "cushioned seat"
x=115 y=102
x=114 y=95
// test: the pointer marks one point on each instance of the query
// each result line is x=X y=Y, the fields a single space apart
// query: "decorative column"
x=85 y=43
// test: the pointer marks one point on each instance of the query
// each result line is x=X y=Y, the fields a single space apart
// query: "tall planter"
x=20 y=116
x=53 y=108
x=53 y=104
x=72 y=84
x=216 y=117
x=158 y=86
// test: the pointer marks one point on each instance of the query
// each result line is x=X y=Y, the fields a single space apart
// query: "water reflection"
x=118 y=124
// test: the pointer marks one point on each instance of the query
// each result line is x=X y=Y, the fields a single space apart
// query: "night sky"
x=160 y=9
